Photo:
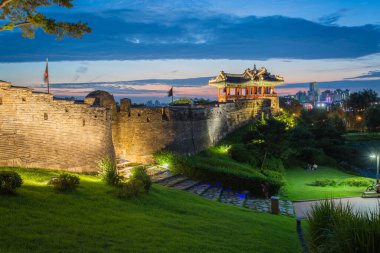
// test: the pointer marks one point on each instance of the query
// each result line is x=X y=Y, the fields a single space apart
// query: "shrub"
x=176 y=163
x=213 y=168
x=338 y=228
x=239 y=153
x=9 y=181
x=309 y=155
x=65 y=182
x=274 y=164
x=324 y=182
x=139 y=173
x=108 y=171
x=273 y=174
x=130 y=189
x=358 y=181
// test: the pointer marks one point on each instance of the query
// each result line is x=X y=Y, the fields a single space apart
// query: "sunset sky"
x=139 y=49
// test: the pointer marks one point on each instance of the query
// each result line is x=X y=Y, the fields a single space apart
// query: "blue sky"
x=324 y=41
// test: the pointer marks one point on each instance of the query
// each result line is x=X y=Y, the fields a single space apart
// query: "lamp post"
x=377 y=156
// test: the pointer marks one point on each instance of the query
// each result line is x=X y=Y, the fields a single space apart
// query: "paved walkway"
x=211 y=191
x=218 y=193
x=358 y=204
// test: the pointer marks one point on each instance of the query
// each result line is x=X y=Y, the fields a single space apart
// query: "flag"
x=170 y=92
x=46 y=74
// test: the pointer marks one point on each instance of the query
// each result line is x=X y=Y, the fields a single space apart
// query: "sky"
x=139 y=49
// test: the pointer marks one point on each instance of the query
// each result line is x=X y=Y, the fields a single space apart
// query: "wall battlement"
x=140 y=132
x=37 y=130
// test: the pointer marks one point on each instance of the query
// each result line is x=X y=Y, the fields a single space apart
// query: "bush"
x=130 y=189
x=273 y=174
x=65 y=182
x=339 y=229
x=239 y=153
x=212 y=168
x=309 y=155
x=9 y=181
x=108 y=171
x=139 y=173
x=274 y=164
x=324 y=182
x=358 y=181
x=176 y=163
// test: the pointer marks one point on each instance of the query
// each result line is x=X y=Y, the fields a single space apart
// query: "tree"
x=271 y=136
x=182 y=101
x=361 y=100
x=372 y=118
x=291 y=105
x=26 y=16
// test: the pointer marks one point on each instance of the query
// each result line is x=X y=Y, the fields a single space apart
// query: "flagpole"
x=47 y=75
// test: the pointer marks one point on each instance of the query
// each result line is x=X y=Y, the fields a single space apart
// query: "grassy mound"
x=92 y=219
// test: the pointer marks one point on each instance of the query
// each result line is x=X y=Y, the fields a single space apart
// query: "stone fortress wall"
x=37 y=130
x=140 y=132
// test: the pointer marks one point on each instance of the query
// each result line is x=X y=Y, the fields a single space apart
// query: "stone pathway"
x=217 y=193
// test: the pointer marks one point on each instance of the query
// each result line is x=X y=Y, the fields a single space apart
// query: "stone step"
x=286 y=207
x=213 y=192
x=154 y=173
x=261 y=205
x=185 y=185
x=162 y=176
x=233 y=198
x=175 y=181
x=167 y=180
x=199 y=188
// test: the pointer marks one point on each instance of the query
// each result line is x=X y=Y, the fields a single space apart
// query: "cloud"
x=144 y=90
x=79 y=71
x=133 y=34
x=332 y=18
x=371 y=75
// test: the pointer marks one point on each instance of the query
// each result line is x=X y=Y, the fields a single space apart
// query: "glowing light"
x=224 y=149
x=372 y=156
x=165 y=165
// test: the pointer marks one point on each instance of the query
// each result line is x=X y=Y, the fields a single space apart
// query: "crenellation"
x=38 y=130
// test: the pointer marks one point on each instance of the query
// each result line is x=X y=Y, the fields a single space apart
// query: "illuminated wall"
x=38 y=131
x=139 y=132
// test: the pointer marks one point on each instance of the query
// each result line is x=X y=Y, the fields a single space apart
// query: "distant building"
x=252 y=84
x=314 y=98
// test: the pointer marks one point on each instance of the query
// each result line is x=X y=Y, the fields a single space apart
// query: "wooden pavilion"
x=252 y=84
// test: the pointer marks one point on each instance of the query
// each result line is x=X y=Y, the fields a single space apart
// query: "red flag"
x=46 y=74
x=170 y=93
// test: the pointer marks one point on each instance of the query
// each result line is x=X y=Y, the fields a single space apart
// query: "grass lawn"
x=167 y=220
x=299 y=180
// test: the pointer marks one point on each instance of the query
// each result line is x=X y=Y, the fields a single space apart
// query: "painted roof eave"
x=249 y=83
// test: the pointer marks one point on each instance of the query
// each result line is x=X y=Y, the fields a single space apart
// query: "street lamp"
x=377 y=156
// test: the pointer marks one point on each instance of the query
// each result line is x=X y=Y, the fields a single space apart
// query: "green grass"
x=362 y=136
x=166 y=220
x=299 y=184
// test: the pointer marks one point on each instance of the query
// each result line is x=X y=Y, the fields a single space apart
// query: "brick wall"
x=39 y=131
